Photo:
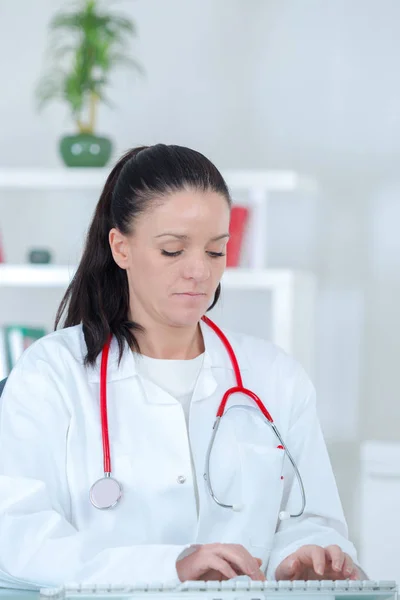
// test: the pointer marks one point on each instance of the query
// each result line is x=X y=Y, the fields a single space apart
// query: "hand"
x=219 y=562
x=315 y=562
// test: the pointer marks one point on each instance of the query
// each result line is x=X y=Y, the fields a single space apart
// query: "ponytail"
x=98 y=295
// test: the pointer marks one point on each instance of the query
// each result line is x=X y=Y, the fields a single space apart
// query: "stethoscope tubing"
x=220 y=413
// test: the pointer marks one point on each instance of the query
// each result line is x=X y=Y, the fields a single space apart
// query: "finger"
x=238 y=557
x=355 y=574
x=348 y=566
x=318 y=559
x=336 y=555
x=256 y=574
x=254 y=571
x=223 y=567
x=289 y=568
x=208 y=560
x=213 y=575
x=295 y=568
x=261 y=574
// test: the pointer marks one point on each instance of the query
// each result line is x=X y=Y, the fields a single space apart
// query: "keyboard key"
x=327 y=584
x=387 y=585
x=313 y=585
x=256 y=585
x=342 y=584
x=299 y=585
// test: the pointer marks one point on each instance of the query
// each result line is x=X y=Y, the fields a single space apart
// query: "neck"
x=173 y=343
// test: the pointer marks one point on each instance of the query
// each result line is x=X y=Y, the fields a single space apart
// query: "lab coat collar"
x=215 y=357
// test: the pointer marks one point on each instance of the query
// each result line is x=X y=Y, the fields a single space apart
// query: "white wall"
x=326 y=100
x=195 y=55
x=266 y=83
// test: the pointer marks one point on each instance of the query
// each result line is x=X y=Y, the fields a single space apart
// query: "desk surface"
x=6 y=594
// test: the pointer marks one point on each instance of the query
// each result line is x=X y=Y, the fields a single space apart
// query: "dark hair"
x=98 y=295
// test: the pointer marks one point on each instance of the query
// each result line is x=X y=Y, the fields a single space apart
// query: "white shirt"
x=51 y=454
x=178 y=378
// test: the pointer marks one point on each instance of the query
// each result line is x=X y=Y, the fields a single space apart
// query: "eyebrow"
x=185 y=237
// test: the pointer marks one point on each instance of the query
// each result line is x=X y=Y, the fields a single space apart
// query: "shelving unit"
x=291 y=297
x=36 y=276
x=255 y=299
x=258 y=185
x=74 y=178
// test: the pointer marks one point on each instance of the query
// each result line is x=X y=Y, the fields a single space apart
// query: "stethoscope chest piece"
x=105 y=493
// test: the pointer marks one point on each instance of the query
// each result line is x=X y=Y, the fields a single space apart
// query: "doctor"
x=144 y=416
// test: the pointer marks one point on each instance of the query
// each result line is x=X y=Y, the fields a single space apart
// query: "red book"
x=1 y=252
x=237 y=228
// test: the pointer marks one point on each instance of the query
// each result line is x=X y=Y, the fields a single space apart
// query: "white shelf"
x=42 y=276
x=52 y=179
x=257 y=185
x=94 y=179
x=36 y=276
x=292 y=298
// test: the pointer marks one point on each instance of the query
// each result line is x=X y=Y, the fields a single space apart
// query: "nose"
x=196 y=268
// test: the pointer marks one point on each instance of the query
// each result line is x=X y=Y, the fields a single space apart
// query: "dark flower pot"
x=85 y=150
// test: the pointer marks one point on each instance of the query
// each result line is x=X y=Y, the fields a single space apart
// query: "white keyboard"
x=243 y=589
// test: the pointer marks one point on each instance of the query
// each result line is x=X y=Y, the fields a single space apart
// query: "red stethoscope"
x=107 y=491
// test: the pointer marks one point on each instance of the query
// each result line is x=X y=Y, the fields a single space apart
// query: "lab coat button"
x=181 y=479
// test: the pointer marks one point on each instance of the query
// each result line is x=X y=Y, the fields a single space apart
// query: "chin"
x=185 y=318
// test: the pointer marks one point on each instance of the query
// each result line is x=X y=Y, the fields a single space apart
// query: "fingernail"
x=336 y=566
x=319 y=570
x=348 y=570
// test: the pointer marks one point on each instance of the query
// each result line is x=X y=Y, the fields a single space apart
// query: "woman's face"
x=175 y=257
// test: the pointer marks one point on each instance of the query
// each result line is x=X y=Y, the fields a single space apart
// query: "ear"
x=119 y=247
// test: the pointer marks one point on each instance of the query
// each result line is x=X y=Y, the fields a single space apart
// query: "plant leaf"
x=89 y=41
x=49 y=88
x=66 y=21
x=116 y=59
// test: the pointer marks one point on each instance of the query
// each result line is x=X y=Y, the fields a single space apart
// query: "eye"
x=215 y=254
x=165 y=253
x=178 y=252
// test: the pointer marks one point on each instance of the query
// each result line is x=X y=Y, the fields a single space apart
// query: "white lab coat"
x=51 y=453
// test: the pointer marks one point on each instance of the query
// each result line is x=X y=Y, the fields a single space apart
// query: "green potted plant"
x=86 y=45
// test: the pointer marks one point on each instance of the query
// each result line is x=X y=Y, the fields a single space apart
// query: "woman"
x=154 y=257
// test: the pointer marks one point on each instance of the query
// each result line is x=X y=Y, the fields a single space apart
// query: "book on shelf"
x=3 y=356
x=14 y=340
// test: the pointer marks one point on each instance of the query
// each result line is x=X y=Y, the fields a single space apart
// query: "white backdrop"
x=310 y=85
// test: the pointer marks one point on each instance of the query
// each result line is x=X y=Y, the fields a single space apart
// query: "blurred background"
x=298 y=103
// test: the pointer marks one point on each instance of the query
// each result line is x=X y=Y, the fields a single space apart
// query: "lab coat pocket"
x=262 y=486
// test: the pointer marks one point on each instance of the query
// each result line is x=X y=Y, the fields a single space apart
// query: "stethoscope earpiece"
x=284 y=515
